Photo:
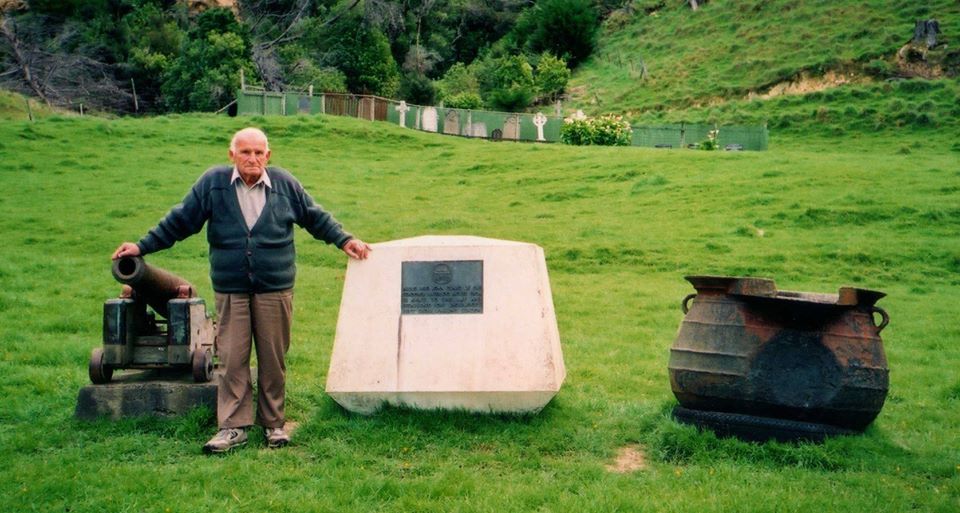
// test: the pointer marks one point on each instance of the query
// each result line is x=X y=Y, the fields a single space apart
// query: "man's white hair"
x=249 y=131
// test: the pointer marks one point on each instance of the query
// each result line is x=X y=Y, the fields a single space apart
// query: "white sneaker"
x=277 y=437
x=226 y=439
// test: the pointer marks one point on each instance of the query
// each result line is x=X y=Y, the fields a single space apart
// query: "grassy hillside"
x=620 y=228
x=727 y=51
x=14 y=106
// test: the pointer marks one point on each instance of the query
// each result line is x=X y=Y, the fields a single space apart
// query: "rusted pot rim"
x=766 y=288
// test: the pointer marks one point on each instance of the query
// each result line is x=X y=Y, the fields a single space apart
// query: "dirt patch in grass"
x=629 y=459
x=808 y=83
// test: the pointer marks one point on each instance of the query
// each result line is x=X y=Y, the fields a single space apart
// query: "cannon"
x=176 y=332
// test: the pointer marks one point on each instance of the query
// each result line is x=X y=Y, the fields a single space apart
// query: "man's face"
x=250 y=155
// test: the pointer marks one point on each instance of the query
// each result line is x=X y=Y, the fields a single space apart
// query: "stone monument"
x=447 y=322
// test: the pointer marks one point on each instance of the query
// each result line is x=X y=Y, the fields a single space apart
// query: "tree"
x=565 y=28
x=37 y=59
x=206 y=74
x=507 y=83
x=551 y=77
x=362 y=53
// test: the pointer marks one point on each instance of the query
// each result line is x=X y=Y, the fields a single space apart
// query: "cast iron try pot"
x=746 y=348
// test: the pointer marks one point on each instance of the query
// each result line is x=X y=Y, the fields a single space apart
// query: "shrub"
x=611 y=130
x=606 y=130
x=578 y=132
x=470 y=101
x=416 y=88
x=710 y=144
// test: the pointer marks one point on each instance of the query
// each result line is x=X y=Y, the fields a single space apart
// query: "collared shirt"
x=252 y=199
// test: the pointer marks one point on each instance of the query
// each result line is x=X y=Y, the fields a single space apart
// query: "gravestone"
x=447 y=322
x=430 y=119
x=402 y=110
x=538 y=121
x=511 y=128
x=475 y=130
x=451 y=122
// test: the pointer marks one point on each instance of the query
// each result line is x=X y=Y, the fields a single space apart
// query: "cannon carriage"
x=175 y=332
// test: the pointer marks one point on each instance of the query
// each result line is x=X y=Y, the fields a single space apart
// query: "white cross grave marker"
x=539 y=120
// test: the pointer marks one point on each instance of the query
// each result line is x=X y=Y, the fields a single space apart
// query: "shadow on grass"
x=673 y=442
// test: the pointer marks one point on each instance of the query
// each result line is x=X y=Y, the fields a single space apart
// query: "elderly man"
x=249 y=210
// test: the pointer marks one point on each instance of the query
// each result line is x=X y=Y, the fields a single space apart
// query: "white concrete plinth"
x=441 y=343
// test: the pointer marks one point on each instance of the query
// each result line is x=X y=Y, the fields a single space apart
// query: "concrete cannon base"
x=137 y=393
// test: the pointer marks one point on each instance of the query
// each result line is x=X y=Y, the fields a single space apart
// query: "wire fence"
x=539 y=127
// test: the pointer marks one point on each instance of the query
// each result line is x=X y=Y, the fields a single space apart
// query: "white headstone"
x=476 y=130
x=511 y=127
x=447 y=322
x=402 y=109
x=430 y=119
x=539 y=120
x=451 y=122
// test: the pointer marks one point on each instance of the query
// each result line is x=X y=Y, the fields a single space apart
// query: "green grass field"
x=620 y=228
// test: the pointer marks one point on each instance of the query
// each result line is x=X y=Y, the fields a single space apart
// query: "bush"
x=471 y=101
x=606 y=130
x=416 y=88
x=578 y=132
x=710 y=144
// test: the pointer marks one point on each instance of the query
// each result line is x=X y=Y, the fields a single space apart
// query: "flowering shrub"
x=606 y=130
x=711 y=143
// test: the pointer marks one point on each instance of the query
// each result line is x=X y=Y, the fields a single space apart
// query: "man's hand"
x=358 y=249
x=127 y=249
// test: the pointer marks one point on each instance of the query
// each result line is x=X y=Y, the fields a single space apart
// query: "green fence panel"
x=493 y=125
x=248 y=104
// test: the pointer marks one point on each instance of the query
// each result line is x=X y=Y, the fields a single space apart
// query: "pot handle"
x=884 y=317
x=685 y=304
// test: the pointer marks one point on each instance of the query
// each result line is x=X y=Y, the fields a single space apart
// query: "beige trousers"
x=265 y=320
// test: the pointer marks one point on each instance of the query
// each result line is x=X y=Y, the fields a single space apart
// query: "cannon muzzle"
x=152 y=285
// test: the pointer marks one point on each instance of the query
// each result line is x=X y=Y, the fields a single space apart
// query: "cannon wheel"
x=100 y=372
x=202 y=365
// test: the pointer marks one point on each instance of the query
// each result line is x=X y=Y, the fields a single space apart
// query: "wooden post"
x=29 y=110
x=81 y=109
x=136 y=105
x=243 y=83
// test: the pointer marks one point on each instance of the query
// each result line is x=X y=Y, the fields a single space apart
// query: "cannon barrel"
x=152 y=285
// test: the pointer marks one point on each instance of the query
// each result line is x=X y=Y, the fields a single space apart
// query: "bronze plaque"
x=442 y=287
